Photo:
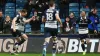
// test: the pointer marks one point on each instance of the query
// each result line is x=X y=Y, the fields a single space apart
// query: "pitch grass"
x=67 y=54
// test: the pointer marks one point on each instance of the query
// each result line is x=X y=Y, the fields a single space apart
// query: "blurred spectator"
x=28 y=6
x=67 y=25
x=41 y=7
x=91 y=3
x=1 y=22
x=7 y=24
x=63 y=6
x=73 y=21
x=35 y=24
x=94 y=21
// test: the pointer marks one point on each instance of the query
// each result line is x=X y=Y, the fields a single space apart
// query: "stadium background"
x=11 y=8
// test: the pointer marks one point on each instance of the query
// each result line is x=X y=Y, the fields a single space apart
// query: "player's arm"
x=58 y=19
x=28 y=20
x=43 y=19
x=14 y=23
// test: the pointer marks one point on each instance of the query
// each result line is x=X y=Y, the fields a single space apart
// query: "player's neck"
x=52 y=7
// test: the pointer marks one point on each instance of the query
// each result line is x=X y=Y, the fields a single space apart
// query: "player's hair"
x=83 y=11
x=23 y=11
x=51 y=3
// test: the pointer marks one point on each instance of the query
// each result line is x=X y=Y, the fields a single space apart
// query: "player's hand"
x=14 y=30
x=61 y=25
x=95 y=31
x=33 y=18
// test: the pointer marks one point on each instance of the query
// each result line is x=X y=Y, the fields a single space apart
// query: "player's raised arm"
x=28 y=20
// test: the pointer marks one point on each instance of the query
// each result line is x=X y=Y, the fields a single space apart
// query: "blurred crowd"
x=69 y=25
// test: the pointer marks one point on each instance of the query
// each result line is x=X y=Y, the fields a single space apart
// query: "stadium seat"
x=59 y=30
x=84 y=1
x=9 y=10
x=98 y=27
x=76 y=14
x=27 y=26
x=20 y=5
x=85 y=9
x=77 y=26
x=74 y=9
x=18 y=10
x=9 y=7
x=82 y=5
x=63 y=20
x=31 y=14
x=21 y=2
x=42 y=25
x=73 y=4
x=28 y=30
x=10 y=4
x=42 y=29
x=98 y=5
x=11 y=15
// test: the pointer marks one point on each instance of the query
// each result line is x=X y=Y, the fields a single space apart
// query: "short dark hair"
x=0 y=10
x=23 y=10
x=51 y=3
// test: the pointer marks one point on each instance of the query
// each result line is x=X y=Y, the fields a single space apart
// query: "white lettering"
x=73 y=45
x=10 y=46
x=93 y=42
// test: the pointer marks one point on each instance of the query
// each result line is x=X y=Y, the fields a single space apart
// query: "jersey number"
x=49 y=16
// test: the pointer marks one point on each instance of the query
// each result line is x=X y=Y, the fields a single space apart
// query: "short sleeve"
x=57 y=12
x=24 y=19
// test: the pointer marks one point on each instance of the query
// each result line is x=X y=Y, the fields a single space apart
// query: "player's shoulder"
x=55 y=9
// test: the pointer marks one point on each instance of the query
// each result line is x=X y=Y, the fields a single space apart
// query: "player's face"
x=24 y=14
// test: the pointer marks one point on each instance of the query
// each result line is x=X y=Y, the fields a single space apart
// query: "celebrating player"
x=17 y=29
x=51 y=16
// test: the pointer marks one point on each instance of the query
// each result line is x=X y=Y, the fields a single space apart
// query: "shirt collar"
x=85 y=17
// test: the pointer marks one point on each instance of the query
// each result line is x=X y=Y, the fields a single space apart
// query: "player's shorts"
x=18 y=33
x=50 y=32
x=83 y=36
